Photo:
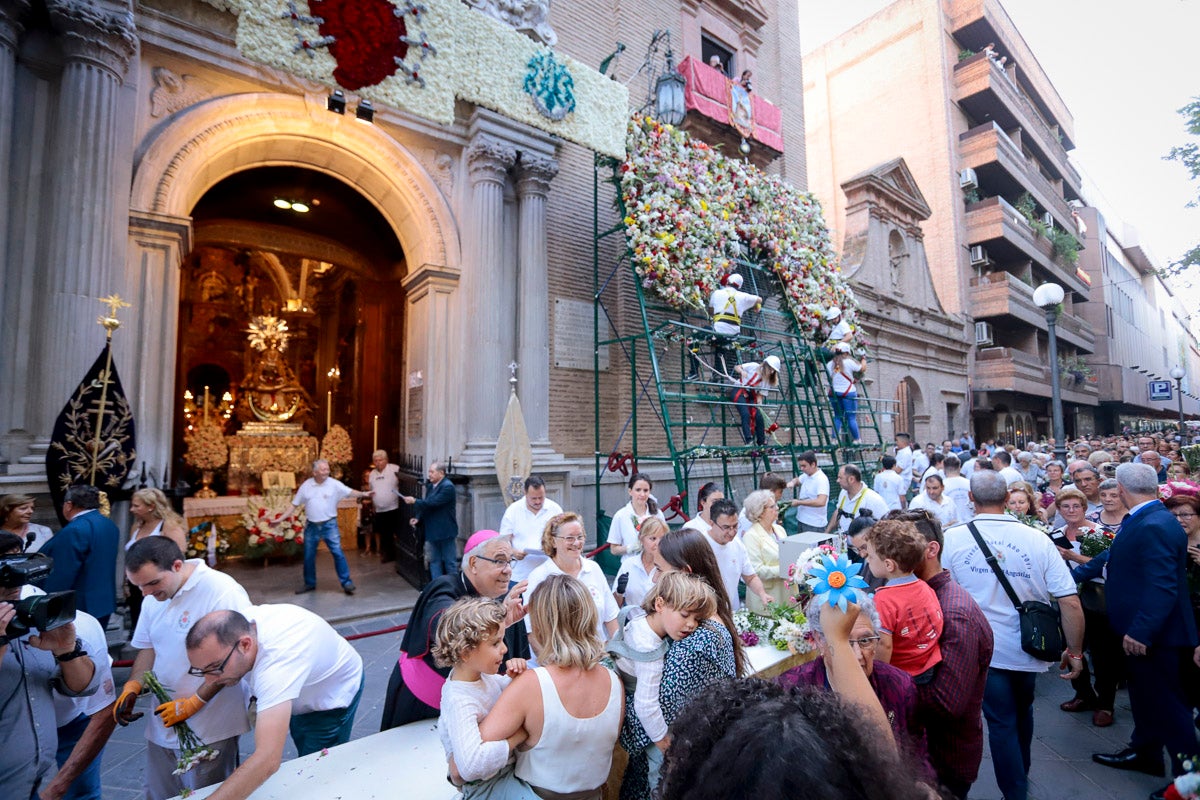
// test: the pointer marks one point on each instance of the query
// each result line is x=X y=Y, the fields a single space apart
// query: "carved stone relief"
x=530 y=17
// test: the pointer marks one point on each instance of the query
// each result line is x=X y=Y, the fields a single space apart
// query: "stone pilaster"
x=533 y=350
x=490 y=300
x=80 y=263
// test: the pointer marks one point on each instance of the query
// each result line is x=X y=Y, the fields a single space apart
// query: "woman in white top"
x=571 y=707
x=935 y=502
x=709 y=493
x=152 y=516
x=15 y=512
x=563 y=541
x=843 y=393
x=623 y=533
x=638 y=574
x=754 y=380
x=762 y=546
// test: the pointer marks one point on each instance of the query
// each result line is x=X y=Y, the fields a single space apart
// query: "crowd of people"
x=538 y=667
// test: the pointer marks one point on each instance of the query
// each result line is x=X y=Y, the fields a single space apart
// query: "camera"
x=45 y=612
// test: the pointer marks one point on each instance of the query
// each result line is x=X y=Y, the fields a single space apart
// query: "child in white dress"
x=671 y=609
x=470 y=640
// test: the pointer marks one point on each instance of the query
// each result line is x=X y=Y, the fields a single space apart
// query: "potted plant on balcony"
x=1074 y=368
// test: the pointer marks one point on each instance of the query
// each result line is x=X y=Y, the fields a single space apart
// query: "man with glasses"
x=303 y=678
x=415 y=689
x=731 y=555
x=177 y=593
x=525 y=520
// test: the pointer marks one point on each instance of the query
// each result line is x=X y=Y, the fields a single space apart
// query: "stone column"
x=490 y=300
x=79 y=264
x=533 y=348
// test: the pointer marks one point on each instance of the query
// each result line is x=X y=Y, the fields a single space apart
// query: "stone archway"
x=213 y=140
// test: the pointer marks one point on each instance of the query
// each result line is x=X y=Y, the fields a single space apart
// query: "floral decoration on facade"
x=336 y=447
x=206 y=448
x=271 y=530
x=420 y=56
x=690 y=211
x=550 y=85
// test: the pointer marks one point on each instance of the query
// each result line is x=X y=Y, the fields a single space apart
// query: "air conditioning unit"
x=983 y=334
x=1048 y=219
x=979 y=256
x=967 y=179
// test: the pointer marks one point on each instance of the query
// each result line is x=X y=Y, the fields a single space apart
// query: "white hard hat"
x=772 y=362
x=734 y=280
x=842 y=347
x=833 y=313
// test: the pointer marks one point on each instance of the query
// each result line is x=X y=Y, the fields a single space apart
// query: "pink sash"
x=422 y=680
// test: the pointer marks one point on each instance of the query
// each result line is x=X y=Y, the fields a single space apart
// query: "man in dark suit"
x=85 y=554
x=437 y=512
x=1148 y=606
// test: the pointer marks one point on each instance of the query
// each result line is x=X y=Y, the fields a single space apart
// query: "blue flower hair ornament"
x=836 y=582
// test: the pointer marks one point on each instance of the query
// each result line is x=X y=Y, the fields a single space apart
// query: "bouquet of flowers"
x=270 y=531
x=192 y=751
x=335 y=447
x=206 y=448
x=1172 y=488
x=1095 y=542
x=1029 y=519
x=207 y=540
x=784 y=627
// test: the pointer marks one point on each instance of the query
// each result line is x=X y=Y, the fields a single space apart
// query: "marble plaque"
x=573 y=336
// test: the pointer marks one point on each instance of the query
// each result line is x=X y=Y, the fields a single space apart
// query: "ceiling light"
x=336 y=102
x=281 y=203
x=300 y=208
x=364 y=112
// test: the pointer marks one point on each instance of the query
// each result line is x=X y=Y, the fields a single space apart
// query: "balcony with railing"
x=720 y=111
x=987 y=91
x=1008 y=237
x=1001 y=295
x=1007 y=369
x=1003 y=169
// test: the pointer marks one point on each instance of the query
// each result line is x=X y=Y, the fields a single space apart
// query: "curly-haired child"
x=908 y=607
x=672 y=609
x=470 y=640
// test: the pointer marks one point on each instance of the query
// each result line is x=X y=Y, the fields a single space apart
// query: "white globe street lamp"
x=1177 y=375
x=1047 y=297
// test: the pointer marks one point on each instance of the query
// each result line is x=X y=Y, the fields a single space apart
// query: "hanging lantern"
x=669 y=106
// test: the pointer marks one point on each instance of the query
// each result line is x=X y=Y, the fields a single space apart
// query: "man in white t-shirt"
x=889 y=485
x=177 y=593
x=384 y=480
x=958 y=489
x=1036 y=571
x=320 y=496
x=919 y=465
x=854 y=499
x=731 y=554
x=1002 y=461
x=304 y=677
x=812 y=502
x=904 y=458
x=728 y=304
x=525 y=520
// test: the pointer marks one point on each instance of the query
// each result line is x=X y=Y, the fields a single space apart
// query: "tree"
x=1189 y=155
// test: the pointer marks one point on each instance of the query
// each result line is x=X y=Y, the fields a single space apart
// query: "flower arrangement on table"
x=192 y=751
x=689 y=210
x=208 y=541
x=1095 y=542
x=206 y=448
x=784 y=627
x=271 y=530
x=336 y=447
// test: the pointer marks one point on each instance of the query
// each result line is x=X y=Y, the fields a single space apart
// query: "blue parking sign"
x=1160 y=390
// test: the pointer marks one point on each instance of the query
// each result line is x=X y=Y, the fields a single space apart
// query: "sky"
x=1123 y=69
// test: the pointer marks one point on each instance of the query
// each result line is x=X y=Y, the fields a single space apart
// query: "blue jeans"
x=87 y=785
x=443 y=557
x=1008 y=709
x=317 y=730
x=845 y=412
x=747 y=409
x=327 y=531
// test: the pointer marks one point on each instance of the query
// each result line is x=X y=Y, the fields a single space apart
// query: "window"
x=710 y=47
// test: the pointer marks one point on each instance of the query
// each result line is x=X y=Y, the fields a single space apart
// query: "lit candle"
x=206 y=404
x=375 y=439
x=328 y=411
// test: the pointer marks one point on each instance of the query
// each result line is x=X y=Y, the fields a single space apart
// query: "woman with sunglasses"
x=563 y=541
x=415 y=689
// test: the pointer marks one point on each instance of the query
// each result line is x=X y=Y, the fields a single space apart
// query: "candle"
x=375 y=439
x=328 y=411
x=205 y=403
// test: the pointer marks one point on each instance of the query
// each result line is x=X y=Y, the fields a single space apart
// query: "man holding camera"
x=178 y=593
x=32 y=668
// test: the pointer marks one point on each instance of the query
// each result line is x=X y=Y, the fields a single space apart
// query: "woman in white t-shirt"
x=843 y=392
x=935 y=502
x=709 y=493
x=563 y=542
x=754 y=380
x=637 y=575
x=623 y=533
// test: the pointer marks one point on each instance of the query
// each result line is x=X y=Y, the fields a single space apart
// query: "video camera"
x=45 y=612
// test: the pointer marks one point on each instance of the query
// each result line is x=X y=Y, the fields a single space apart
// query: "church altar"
x=228 y=513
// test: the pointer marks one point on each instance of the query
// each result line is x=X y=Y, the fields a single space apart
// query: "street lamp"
x=670 y=107
x=1047 y=297
x=1177 y=375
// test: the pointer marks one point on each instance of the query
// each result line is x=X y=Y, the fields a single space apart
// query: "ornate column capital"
x=534 y=174
x=489 y=160
x=89 y=34
x=12 y=22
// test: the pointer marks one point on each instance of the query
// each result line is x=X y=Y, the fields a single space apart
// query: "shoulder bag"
x=1041 y=631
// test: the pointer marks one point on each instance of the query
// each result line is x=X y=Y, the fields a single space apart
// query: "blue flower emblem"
x=836 y=582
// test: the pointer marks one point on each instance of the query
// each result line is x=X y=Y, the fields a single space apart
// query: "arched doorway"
x=908 y=406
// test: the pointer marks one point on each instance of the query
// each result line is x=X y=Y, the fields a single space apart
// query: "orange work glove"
x=174 y=712
x=123 y=710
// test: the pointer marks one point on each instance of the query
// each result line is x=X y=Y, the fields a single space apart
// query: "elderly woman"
x=1112 y=509
x=15 y=512
x=762 y=546
x=1053 y=483
x=563 y=541
x=415 y=689
x=570 y=708
x=894 y=688
x=637 y=575
x=709 y=655
x=152 y=516
x=1072 y=506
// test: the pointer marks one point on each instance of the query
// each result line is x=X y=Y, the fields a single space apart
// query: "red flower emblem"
x=367 y=39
